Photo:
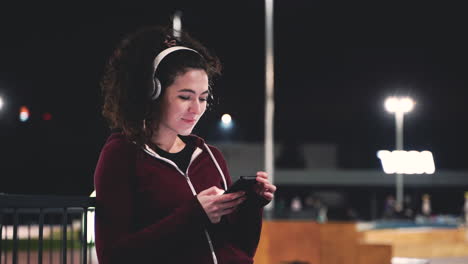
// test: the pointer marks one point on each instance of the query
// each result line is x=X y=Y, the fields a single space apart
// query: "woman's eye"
x=203 y=99
x=184 y=97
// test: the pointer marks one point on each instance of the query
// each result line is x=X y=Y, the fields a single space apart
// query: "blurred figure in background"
x=389 y=207
x=408 y=207
x=426 y=205
x=296 y=204
x=311 y=205
x=465 y=209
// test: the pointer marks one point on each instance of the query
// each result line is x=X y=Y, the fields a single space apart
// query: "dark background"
x=335 y=64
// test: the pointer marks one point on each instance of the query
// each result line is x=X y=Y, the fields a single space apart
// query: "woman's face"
x=184 y=103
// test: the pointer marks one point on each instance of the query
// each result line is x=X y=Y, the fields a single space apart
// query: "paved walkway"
x=452 y=260
x=459 y=260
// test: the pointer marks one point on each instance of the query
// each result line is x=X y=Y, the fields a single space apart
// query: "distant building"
x=247 y=158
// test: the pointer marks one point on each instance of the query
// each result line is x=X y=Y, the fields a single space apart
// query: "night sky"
x=335 y=65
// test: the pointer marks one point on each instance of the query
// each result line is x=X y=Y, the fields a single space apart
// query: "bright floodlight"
x=399 y=104
x=1 y=103
x=407 y=162
x=226 y=119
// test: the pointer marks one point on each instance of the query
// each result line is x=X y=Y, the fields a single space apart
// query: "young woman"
x=160 y=189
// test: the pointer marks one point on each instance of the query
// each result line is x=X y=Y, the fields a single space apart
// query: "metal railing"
x=23 y=219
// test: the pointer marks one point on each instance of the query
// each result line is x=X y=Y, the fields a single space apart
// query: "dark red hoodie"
x=147 y=212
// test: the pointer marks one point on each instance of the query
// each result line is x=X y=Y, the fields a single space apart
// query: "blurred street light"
x=226 y=121
x=226 y=127
x=399 y=106
x=46 y=116
x=24 y=114
x=177 y=24
x=1 y=103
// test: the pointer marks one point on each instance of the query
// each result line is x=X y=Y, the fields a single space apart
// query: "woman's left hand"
x=264 y=188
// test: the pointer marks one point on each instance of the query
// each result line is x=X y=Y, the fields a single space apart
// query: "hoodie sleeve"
x=245 y=224
x=117 y=241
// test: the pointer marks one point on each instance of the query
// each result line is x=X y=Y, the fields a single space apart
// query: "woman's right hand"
x=216 y=204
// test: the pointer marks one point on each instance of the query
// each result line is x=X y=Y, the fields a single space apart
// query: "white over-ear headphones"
x=156 y=89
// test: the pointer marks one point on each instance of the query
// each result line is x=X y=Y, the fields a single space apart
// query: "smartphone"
x=244 y=183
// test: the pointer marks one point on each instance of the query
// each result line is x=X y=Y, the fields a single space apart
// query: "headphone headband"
x=156 y=91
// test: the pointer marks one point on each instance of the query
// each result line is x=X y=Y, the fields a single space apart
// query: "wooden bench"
x=316 y=243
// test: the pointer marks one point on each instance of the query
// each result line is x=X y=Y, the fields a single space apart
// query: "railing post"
x=15 y=205
x=6 y=243
x=64 y=236
x=85 y=235
x=51 y=238
x=28 y=247
x=41 y=235
x=15 y=235
x=1 y=234
x=72 y=242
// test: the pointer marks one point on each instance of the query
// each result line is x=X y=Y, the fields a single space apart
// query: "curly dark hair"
x=128 y=76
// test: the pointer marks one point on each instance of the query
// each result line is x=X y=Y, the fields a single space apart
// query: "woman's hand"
x=216 y=204
x=264 y=188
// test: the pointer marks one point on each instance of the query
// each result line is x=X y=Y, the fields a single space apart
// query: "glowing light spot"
x=226 y=119
x=407 y=162
x=177 y=24
x=46 y=116
x=24 y=114
x=226 y=122
x=396 y=104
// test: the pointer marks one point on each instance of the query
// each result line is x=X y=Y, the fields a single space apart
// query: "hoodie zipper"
x=195 y=154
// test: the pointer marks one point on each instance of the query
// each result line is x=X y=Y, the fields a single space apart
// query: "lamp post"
x=399 y=106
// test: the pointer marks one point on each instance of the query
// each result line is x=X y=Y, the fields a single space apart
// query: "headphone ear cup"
x=156 y=89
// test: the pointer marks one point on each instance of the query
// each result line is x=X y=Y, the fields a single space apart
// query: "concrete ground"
x=451 y=260
x=457 y=260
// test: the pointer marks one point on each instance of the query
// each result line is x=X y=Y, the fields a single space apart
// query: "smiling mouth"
x=189 y=120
